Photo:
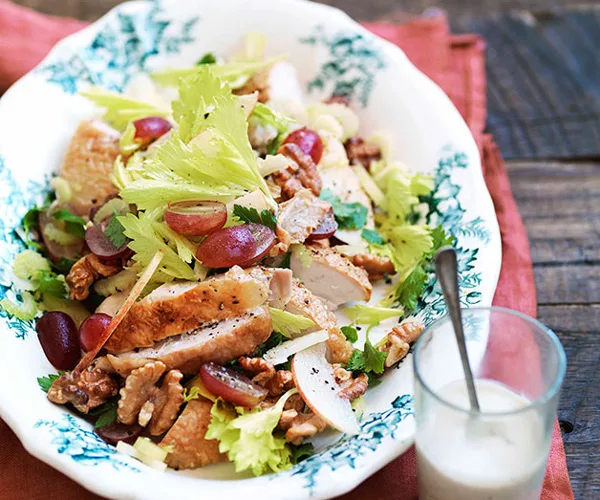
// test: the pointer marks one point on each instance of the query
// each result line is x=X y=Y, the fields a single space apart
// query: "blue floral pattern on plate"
x=121 y=50
x=351 y=68
x=82 y=445
x=345 y=452
x=16 y=201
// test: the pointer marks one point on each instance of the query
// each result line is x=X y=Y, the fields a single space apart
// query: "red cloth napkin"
x=456 y=63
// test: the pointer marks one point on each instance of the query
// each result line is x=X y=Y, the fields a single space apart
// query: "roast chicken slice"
x=87 y=164
x=190 y=449
x=279 y=282
x=300 y=216
x=176 y=308
x=332 y=277
x=218 y=341
x=305 y=303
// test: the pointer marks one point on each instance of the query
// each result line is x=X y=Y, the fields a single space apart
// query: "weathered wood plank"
x=568 y=284
x=560 y=205
x=573 y=319
x=544 y=180
x=579 y=330
x=582 y=461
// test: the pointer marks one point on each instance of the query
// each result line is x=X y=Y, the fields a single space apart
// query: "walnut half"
x=376 y=266
x=142 y=399
x=265 y=375
x=302 y=172
x=85 y=390
x=299 y=426
x=359 y=151
x=85 y=271
x=398 y=341
x=352 y=387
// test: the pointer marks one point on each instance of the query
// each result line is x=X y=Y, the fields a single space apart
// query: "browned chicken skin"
x=219 y=342
x=178 y=308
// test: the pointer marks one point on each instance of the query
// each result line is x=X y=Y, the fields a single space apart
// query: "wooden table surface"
x=560 y=204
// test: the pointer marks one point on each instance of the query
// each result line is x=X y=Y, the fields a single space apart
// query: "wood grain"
x=578 y=327
x=560 y=205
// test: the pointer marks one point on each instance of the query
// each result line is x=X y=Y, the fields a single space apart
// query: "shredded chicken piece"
x=87 y=270
x=279 y=282
x=332 y=276
x=297 y=219
x=360 y=152
x=143 y=400
x=397 y=343
x=284 y=240
x=320 y=244
x=376 y=266
x=258 y=83
x=85 y=390
x=265 y=375
x=287 y=418
x=352 y=387
x=302 y=172
x=261 y=136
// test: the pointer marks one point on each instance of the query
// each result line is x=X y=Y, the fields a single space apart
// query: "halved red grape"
x=308 y=141
x=196 y=218
x=230 y=385
x=151 y=128
x=326 y=228
x=58 y=337
x=236 y=245
x=117 y=431
x=56 y=251
x=265 y=239
x=100 y=245
x=91 y=330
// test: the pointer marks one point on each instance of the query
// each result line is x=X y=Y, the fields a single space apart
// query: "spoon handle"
x=447 y=274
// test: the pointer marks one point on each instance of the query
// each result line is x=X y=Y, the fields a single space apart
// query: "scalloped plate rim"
x=42 y=451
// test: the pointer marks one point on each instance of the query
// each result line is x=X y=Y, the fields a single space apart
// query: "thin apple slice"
x=316 y=384
x=280 y=354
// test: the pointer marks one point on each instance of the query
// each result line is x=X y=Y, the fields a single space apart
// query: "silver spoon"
x=447 y=274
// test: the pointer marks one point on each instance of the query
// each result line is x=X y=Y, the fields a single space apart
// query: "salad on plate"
x=220 y=270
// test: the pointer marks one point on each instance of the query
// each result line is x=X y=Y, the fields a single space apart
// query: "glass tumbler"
x=501 y=452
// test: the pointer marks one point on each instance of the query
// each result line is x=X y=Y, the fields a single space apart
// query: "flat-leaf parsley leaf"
x=347 y=215
x=246 y=214
x=115 y=233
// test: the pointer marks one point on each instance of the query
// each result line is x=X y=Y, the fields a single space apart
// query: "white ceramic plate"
x=38 y=116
